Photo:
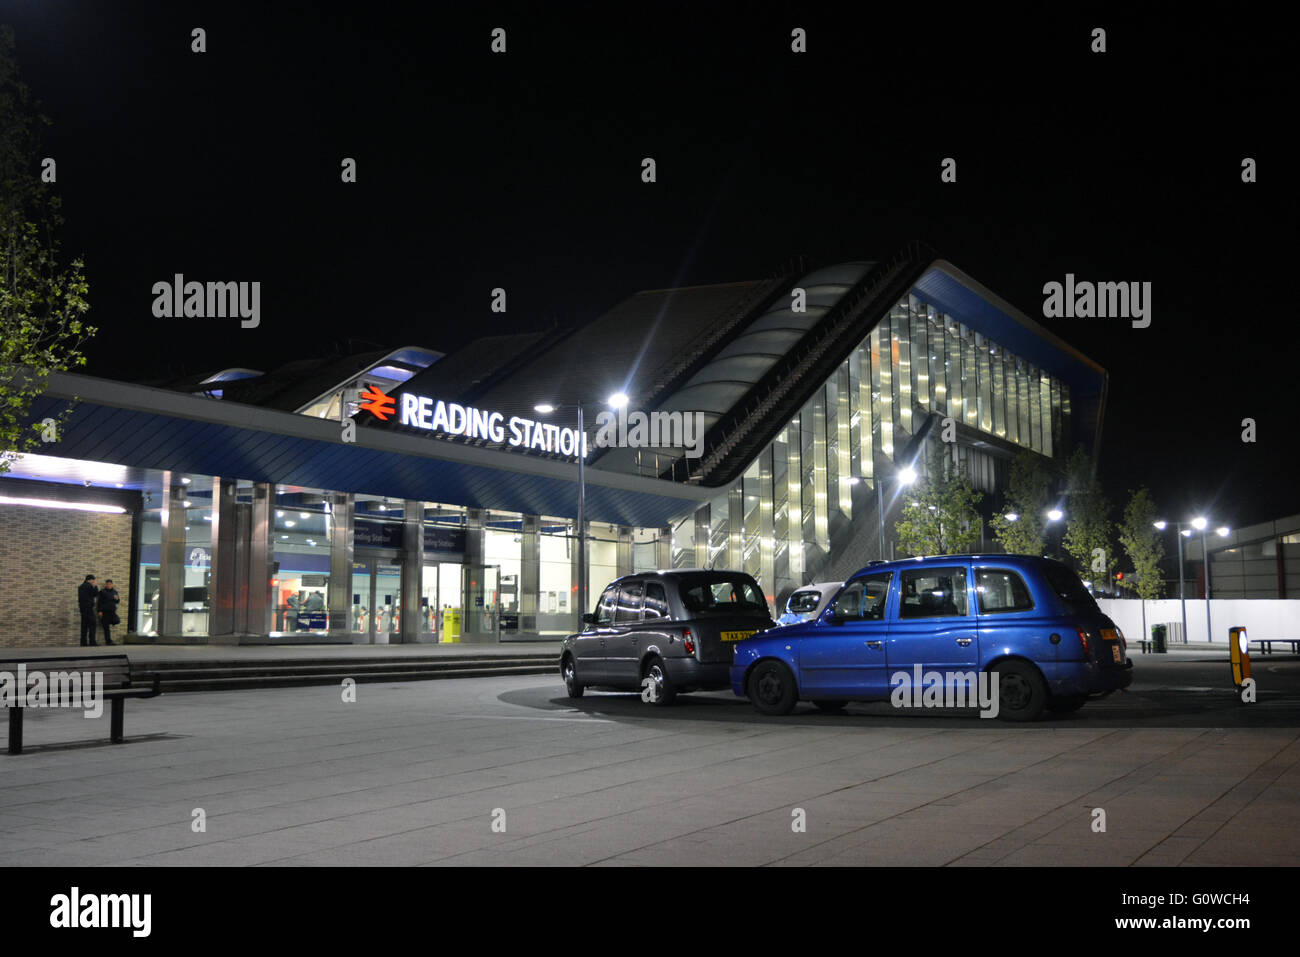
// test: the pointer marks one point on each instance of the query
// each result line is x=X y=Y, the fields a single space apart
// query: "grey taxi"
x=676 y=628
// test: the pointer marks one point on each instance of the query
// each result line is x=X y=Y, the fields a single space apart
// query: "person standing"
x=86 y=594
x=106 y=603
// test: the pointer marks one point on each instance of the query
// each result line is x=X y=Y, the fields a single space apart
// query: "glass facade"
x=800 y=497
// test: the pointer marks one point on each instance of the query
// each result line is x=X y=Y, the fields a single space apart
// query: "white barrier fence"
x=1261 y=617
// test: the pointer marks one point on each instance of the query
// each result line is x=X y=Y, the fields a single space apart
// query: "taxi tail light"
x=1083 y=640
x=688 y=640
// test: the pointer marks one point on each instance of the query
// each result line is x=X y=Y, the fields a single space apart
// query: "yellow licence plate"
x=1110 y=634
x=736 y=635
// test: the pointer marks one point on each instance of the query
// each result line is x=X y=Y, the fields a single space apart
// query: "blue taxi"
x=1030 y=621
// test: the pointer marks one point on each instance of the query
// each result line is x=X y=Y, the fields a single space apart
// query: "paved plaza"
x=507 y=771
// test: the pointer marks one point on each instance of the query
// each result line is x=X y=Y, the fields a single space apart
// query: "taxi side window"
x=629 y=604
x=605 y=611
x=1001 y=590
x=933 y=593
x=864 y=598
x=656 y=601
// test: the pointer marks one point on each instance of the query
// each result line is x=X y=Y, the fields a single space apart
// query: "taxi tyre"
x=1022 y=692
x=771 y=688
x=655 y=668
x=572 y=686
x=1066 y=703
x=831 y=707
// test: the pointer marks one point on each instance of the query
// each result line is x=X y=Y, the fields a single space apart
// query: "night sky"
x=522 y=171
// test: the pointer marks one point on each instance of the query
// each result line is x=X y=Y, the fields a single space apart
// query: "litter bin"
x=1158 y=640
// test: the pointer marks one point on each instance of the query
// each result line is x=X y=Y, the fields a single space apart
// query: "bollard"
x=1239 y=654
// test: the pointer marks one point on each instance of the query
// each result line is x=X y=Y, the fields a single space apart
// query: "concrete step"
x=287 y=679
x=236 y=673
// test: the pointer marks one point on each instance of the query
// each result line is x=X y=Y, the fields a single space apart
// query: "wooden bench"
x=117 y=687
x=1266 y=644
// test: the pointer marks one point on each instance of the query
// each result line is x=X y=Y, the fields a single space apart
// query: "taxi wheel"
x=831 y=707
x=665 y=693
x=1022 y=692
x=1066 y=703
x=772 y=688
x=571 y=683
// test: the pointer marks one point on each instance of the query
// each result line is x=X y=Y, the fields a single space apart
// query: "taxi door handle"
x=963 y=641
x=874 y=644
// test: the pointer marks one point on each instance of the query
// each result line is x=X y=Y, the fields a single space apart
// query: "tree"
x=1087 y=521
x=1028 y=497
x=42 y=303
x=1142 y=543
x=940 y=517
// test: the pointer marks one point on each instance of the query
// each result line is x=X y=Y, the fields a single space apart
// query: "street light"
x=905 y=476
x=1202 y=524
x=1199 y=523
x=546 y=408
x=617 y=401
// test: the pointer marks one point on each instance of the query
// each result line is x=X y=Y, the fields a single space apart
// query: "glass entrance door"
x=482 y=614
x=440 y=602
x=376 y=612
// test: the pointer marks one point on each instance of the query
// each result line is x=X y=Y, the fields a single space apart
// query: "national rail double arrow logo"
x=378 y=404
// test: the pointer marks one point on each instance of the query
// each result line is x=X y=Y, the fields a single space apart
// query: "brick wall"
x=44 y=555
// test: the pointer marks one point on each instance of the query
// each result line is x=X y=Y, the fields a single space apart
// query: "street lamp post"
x=1200 y=523
x=582 y=518
x=906 y=476
x=617 y=401
x=1182 y=590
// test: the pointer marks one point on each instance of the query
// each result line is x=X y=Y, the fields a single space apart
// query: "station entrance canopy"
x=143 y=427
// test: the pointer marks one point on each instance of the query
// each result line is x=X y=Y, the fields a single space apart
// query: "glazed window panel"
x=953 y=365
x=831 y=403
x=882 y=385
x=903 y=365
x=983 y=373
x=999 y=383
x=844 y=446
x=1013 y=397
x=938 y=354
x=921 y=353
x=1045 y=411
x=969 y=390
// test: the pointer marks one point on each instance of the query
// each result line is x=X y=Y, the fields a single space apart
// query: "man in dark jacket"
x=106 y=603
x=86 y=594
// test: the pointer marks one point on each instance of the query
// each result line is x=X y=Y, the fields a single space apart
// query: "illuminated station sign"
x=449 y=418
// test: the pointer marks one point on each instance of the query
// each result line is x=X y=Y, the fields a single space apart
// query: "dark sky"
x=523 y=171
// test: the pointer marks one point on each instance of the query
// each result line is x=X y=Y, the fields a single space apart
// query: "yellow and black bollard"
x=1239 y=653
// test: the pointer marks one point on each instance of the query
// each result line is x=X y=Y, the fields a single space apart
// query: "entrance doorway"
x=376 y=613
x=482 y=587
x=441 y=602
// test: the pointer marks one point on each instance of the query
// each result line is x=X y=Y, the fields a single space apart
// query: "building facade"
x=408 y=496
